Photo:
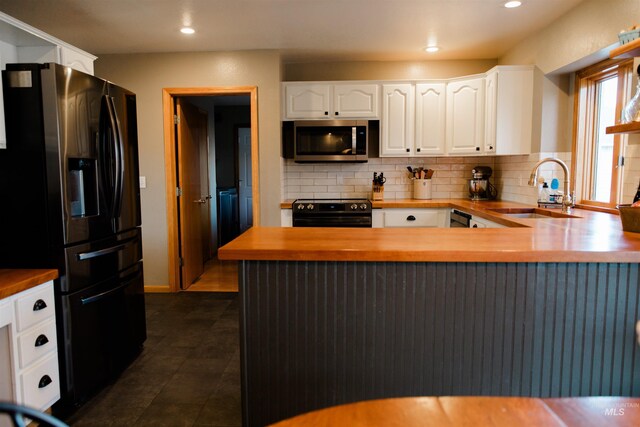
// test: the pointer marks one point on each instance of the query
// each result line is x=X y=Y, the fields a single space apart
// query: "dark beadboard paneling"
x=317 y=334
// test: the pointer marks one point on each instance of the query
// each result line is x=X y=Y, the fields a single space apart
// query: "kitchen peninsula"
x=544 y=308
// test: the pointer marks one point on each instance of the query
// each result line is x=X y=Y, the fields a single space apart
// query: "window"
x=601 y=92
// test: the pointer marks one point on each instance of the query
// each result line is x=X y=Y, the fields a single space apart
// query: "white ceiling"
x=304 y=30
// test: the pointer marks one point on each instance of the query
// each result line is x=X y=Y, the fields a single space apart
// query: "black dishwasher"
x=459 y=219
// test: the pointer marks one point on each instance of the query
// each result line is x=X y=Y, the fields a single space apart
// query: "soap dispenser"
x=543 y=197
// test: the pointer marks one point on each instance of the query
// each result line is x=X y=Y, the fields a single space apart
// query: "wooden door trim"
x=168 y=108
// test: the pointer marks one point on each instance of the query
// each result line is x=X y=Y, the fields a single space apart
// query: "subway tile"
x=326 y=181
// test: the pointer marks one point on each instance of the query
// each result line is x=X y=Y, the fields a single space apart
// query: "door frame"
x=168 y=108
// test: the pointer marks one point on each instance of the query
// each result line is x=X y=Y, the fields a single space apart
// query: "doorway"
x=188 y=213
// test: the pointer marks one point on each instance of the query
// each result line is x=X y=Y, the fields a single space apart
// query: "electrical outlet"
x=143 y=182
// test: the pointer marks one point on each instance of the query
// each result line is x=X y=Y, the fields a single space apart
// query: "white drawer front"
x=37 y=342
x=6 y=313
x=412 y=218
x=35 y=306
x=41 y=383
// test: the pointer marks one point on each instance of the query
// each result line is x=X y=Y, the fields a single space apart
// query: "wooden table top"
x=13 y=281
x=477 y=412
x=588 y=237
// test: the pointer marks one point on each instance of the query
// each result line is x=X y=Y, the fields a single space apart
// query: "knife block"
x=377 y=192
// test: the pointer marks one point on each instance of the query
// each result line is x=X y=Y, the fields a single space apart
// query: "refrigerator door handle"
x=118 y=161
x=100 y=252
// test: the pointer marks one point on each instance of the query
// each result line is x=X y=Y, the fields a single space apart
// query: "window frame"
x=584 y=129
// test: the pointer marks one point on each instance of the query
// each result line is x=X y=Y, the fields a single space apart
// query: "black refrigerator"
x=69 y=190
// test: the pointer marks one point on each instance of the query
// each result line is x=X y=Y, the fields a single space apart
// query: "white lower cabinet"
x=40 y=383
x=477 y=222
x=420 y=217
x=286 y=218
x=28 y=346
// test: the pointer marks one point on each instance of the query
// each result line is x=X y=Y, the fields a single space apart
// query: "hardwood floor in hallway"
x=218 y=276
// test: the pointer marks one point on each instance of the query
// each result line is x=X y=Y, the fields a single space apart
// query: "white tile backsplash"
x=353 y=180
x=510 y=176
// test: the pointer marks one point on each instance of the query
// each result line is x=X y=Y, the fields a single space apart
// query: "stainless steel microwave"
x=329 y=140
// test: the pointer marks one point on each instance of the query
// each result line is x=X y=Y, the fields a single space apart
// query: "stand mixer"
x=479 y=186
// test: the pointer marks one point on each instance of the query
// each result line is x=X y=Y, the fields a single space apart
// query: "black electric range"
x=332 y=213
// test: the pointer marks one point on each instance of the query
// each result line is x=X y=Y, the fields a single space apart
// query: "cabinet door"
x=430 y=119
x=76 y=60
x=397 y=120
x=307 y=101
x=491 y=94
x=355 y=100
x=509 y=110
x=465 y=116
x=419 y=217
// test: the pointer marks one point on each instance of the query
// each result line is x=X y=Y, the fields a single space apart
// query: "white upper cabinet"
x=20 y=42
x=430 y=119
x=397 y=124
x=509 y=110
x=34 y=45
x=331 y=100
x=356 y=100
x=76 y=59
x=307 y=101
x=465 y=116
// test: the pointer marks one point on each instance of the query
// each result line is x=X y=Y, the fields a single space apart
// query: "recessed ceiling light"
x=431 y=49
x=512 y=4
x=187 y=30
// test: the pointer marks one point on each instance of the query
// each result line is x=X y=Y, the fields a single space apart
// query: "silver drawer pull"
x=39 y=305
x=41 y=340
x=44 y=381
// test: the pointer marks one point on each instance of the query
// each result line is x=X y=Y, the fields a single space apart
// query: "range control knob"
x=300 y=206
x=354 y=207
x=310 y=206
x=363 y=206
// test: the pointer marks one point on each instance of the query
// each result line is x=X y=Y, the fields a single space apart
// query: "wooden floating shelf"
x=627 y=50
x=633 y=127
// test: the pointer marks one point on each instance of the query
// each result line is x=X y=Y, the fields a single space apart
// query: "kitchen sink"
x=531 y=213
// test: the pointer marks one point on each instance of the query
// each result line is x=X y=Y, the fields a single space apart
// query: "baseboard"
x=151 y=289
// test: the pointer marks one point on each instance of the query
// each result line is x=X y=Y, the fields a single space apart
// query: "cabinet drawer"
x=41 y=384
x=37 y=342
x=413 y=218
x=35 y=306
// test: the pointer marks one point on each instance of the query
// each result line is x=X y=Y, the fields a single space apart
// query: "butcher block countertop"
x=588 y=236
x=15 y=281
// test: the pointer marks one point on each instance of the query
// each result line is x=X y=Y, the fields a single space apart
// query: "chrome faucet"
x=566 y=198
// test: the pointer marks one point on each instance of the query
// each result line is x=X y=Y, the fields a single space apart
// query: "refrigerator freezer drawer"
x=104 y=327
x=91 y=263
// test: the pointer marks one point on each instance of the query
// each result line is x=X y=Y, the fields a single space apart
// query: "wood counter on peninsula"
x=330 y=316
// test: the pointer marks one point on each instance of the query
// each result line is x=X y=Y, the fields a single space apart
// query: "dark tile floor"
x=188 y=373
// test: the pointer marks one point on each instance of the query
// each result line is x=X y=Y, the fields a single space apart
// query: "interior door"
x=245 y=201
x=192 y=204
